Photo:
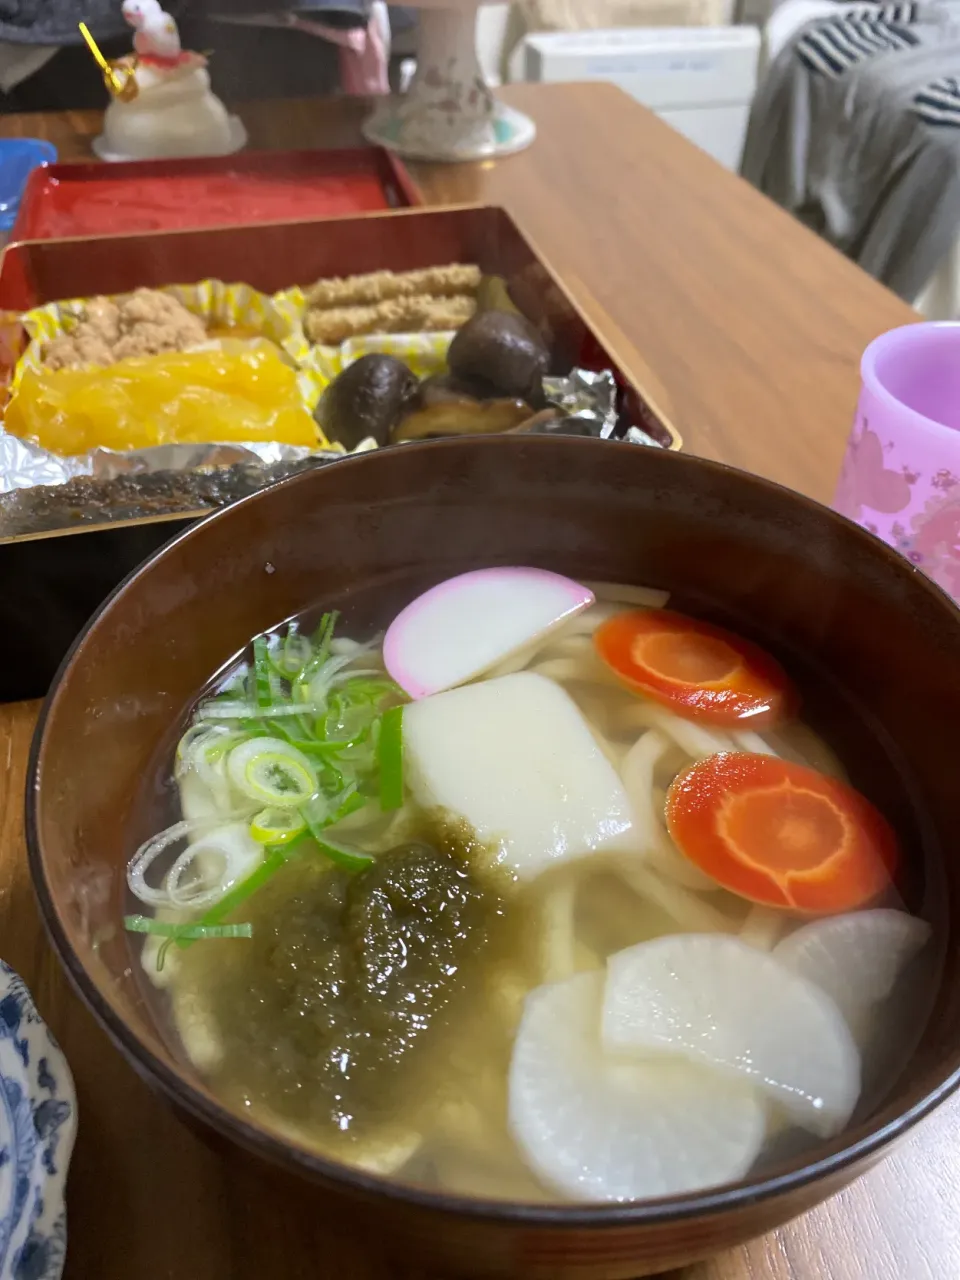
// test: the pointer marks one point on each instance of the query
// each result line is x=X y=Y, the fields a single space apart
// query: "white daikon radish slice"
x=598 y=1127
x=459 y=629
x=714 y=1000
x=516 y=759
x=855 y=958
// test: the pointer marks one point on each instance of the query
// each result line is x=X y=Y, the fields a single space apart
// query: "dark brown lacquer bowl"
x=874 y=646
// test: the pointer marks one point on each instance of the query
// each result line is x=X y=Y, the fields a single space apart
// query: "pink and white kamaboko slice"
x=464 y=626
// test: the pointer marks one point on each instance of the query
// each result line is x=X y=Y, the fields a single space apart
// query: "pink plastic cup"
x=901 y=473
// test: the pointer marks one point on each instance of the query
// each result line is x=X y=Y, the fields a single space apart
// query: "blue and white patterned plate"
x=38 y=1121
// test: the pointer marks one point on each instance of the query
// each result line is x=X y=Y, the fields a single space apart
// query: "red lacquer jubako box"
x=67 y=200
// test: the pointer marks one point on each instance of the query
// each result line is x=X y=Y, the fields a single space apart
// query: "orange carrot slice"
x=699 y=670
x=781 y=834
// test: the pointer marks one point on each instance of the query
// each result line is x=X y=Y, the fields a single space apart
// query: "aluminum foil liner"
x=41 y=492
x=23 y=465
x=587 y=398
x=142 y=495
x=634 y=435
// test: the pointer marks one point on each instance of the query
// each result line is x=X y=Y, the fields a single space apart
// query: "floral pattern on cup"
x=901 y=473
x=917 y=513
x=865 y=482
x=933 y=540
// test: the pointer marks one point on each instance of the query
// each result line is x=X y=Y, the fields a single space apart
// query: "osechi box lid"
x=68 y=200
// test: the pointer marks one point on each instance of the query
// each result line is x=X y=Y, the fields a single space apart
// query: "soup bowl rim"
x=286 y=1152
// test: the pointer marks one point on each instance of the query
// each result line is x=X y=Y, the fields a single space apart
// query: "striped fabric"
x=830 y=48
x=939 y=103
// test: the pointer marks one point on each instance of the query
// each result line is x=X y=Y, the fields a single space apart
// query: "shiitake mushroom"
x=449 y=406
x=503 y=351
x=497 y=362
x=367 y=399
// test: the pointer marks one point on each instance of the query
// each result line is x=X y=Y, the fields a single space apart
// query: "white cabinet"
x=701 y=80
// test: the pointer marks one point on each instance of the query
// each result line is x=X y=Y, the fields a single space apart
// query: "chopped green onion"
x=325 y=811
x=323 y=635
x=261 y=672
x=349 y=723
x=214 y=710
x=240 y=892
x=316 y=813
x=331 y=779
x=370 y=688
x=219 y=747
x=204 y=745
x=273 y=772
x=342 y=855
x=361 y=751
x=321 y=748
x=318 y=817
x=349 y=804
x=233 y=692
x=276 y=826
x=191 y=932
x=196 y=735
x=297 y=652
x=276 y=685
x=303 y=732
x=390 y=750
x=254 y=728
x=313 y=682
x=324 y=746
x=289 y=654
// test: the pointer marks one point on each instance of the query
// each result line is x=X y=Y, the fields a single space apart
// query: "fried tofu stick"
x=381 y=286
x=399 y=315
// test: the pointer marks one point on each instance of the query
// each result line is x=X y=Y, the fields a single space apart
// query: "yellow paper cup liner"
x=217 y=304
x=425 y=353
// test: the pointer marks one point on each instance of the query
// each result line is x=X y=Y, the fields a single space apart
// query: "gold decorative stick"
x=121 y=83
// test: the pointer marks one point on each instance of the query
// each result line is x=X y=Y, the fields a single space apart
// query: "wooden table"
x=746 y=331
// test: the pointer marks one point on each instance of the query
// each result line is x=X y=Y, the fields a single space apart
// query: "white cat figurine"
x=156 y=32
